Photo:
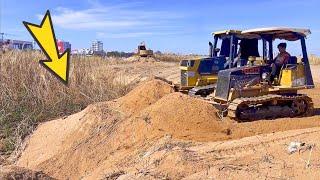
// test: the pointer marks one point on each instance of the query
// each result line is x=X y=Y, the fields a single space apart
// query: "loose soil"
x=153 y=132
x=14 y=172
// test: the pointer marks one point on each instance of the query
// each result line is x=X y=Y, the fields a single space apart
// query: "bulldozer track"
x=201 y=91
x=234 y=108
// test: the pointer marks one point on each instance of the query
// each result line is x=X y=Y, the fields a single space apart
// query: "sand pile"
x=107 y=134
x=145 y=94
x=77 y=147
x=50 y=138
x=184 y=117
x=187 y=118
x=113 y=138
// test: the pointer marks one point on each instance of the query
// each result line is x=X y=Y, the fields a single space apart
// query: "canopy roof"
x=226 y=32
x=289 y=34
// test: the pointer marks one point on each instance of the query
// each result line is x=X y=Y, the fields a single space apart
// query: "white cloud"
x=88 y=19
x=111 y=18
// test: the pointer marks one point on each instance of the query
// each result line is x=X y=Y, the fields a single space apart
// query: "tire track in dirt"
x=253 y=143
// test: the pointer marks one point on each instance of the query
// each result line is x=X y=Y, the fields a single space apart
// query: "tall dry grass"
x=171 y=57
x=314 y=60
x=29 y=94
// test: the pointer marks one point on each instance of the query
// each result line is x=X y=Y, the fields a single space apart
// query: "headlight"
x=264 y=76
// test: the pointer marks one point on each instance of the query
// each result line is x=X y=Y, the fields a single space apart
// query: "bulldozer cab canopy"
x=225 y=37
x=226 y=32
x=237 y=33
x=249 y=42
x=283 y=33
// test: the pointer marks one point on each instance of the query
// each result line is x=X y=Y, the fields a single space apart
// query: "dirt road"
x=138 y=71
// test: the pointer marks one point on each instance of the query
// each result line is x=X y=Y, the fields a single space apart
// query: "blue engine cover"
x=210 y=66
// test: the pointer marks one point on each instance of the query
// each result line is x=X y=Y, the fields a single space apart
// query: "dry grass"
x=170 y=57
x=30 y=95
x=314 y=60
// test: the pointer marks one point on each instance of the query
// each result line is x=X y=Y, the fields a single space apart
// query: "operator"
x=242 y=56
x=281 y=59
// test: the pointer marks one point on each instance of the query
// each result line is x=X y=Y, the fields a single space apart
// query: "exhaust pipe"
x=210 y=49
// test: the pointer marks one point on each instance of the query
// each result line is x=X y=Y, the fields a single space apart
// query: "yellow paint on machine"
x=192 y=78
x=293 y=77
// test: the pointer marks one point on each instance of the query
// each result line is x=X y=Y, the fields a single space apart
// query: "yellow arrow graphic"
x=45 y=37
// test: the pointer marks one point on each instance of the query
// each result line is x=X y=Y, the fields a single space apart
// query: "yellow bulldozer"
x=253 y=91
x=199 y=76
x=246 y=86
x=142 y=50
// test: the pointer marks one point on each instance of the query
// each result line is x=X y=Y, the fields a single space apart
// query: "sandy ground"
x=316 y=73
x=154 y=133
x=140 y=71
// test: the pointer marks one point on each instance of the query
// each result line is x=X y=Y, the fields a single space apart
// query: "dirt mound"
x=122 y=130
x=14 y=172
x=50 y=137
x=145 y=94
x=184 y=117
x=187 y=118
x=151 y=127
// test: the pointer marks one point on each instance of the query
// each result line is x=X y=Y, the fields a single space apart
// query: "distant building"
x=63 y=45
x=97 y=46
x=16 y=44
x=83 y=51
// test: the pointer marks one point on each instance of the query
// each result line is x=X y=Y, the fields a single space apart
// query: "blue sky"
x=181 y=26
